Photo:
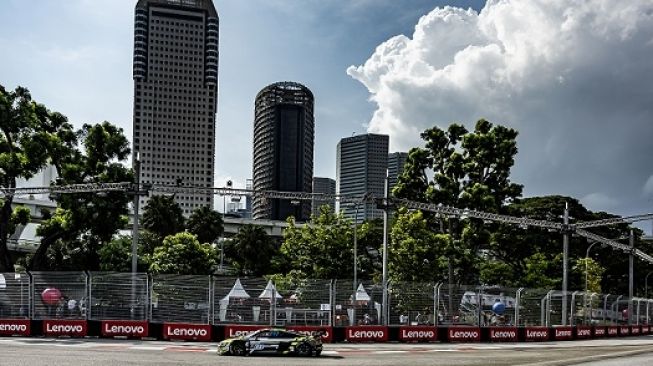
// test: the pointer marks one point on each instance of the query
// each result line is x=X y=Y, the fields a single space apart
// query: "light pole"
x=587 y=255
x=386 y=204
x=565 y=264
x=646 y=285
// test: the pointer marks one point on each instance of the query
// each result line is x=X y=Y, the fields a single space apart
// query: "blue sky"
x=574 y=78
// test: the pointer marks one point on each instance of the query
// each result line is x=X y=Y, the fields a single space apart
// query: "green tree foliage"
x=369 y=248
x=31 y=136
x=416 y=253
x=206 y=224
x=469 y=170
x=87 y=221
x=252 y=251
x=116 y=256
x=322 y=249
x=593 y=270
x=183 y=254
x=162 y=216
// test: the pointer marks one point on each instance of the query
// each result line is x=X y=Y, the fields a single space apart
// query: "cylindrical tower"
x=283 y=149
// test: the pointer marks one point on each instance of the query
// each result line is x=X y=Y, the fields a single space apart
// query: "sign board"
x=563 y=333
x=624 y=330
x=326 y=332
x=9 y=327
x=599 y=332
x=72 y=328
x=464 y=334
x=503 y=334
x=537 y=333
x=418 y=334
x=124 y=328
x=613 y=331
x=635 y=330
x=583 y=332
x=364 y=333
x=187 y=331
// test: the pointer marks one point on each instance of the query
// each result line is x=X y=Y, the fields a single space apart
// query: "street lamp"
x=587 y=254
x=355 y=225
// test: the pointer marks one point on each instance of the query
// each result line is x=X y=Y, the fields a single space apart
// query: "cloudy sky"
x=574 y=77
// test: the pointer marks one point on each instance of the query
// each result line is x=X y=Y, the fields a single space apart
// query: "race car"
x=272 y=341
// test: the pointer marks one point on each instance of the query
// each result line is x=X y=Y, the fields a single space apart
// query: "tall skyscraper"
x=361 y=166
x=326 y=186
x=396 y=162
x=283 y=149
x=175 y=95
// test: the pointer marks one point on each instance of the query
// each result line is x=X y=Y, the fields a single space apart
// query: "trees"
x=31 y=136
x=182 y=253
x=252 y=251
x=162 y=216
x=469 y=170
x=206 y=224
x=87 y=221
x=322 y=249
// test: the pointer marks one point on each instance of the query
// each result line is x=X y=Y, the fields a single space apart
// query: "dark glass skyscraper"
x=175 y=95
x=283 y=149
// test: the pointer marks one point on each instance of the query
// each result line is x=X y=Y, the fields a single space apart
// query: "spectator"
x=72 y=305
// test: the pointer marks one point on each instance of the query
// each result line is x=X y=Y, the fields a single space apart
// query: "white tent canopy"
x=237 y=292
x=361 y=294
x=267 y=293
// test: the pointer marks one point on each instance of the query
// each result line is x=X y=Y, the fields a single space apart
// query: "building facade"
x=326 y=186
x=175 y=95
x=361 y=167
x=396 y=162
x=283 y=149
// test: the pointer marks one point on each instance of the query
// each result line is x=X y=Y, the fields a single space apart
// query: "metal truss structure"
x=577 y=228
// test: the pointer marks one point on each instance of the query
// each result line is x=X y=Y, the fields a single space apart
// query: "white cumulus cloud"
x=575 y=78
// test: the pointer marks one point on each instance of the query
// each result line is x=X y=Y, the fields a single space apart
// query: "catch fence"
x=259 y=301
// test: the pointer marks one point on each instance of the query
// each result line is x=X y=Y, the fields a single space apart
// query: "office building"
x=396 y=162
x=325 y=186
x=361 y=167
x=283 y=149
x=175 y=95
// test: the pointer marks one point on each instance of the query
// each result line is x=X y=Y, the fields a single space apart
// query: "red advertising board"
x=187 y=331
x=72 y=328
x=418 y=334
x=231 y=331
x=369 y=333
x=537 y=333
x=124 y=328
x=583 y=332
x=624 y=330
x=562 y=333
x=645 y=329
x=599 y=332
x=613 y=331
x=9 y=327
x=503 y=334
x=464 y=334
x=635 y=330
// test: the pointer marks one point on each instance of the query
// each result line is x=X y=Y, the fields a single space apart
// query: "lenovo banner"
x=599 y=332
x=624 y=330
x=231 y=331
x=645 y=329
x=583 y=332
x=464 y=334
x=635 y=330
x=72 y=328
x=325 y=332
x=418 y=334
x=613 y=331
x=537 y=333
x=124 y=328
x=503 y=334
x=9 y=327
x=366 y=334
x=562 y=333
x=187 y=331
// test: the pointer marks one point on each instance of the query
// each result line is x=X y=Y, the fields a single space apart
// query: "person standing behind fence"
x=72 y=308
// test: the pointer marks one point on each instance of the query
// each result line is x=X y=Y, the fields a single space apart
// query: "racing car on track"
x=272 y=341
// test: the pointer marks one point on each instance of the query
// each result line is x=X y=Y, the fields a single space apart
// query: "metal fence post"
x=517 y=305
x=605 y=308
x=209 y=310
x=30 y=286
x=89 y=288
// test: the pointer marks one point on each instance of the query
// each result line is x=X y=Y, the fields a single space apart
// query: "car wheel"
x=317 y=353
x=304 y=349
x=237 y=349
